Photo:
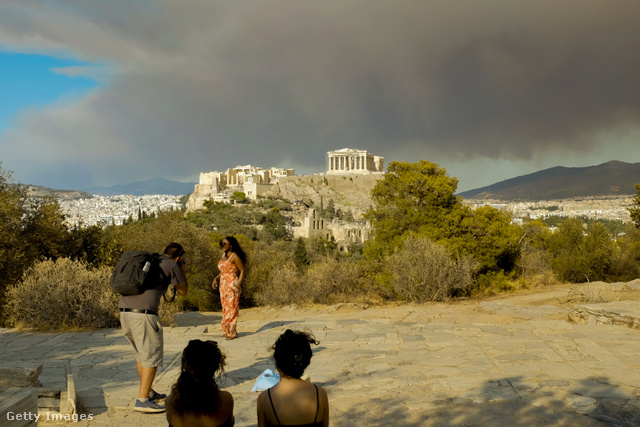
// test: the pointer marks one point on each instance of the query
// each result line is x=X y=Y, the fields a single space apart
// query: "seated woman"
x=195 y=399
x=293 y=402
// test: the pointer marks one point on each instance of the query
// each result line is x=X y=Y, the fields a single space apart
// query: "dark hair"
x=196 y=391
x=292 y=352
x=174 y=250
x=235 y=248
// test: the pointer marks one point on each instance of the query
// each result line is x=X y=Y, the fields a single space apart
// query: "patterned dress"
x=228 y=297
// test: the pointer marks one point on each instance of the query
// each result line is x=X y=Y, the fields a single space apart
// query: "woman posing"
x=195 y=399
x=293 y=401
x=229 y=281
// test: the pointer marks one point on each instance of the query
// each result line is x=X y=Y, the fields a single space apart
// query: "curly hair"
x=196 y=386
x=292 y=352
x=235 y=247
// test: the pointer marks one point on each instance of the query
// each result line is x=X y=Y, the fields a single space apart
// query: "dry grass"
x=589 y=295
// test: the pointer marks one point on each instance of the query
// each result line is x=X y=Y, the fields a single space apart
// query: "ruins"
x=218 y=186
x=352 y=164
x=344 y=232
x=349 y=160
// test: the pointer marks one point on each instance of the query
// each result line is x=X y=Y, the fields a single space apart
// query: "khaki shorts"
x=144 y=332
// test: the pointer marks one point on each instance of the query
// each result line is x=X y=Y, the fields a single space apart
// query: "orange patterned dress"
x=228 y=297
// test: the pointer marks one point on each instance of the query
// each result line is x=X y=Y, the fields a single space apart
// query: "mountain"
x=141 y=188
x=37 y=191
x=608 y=179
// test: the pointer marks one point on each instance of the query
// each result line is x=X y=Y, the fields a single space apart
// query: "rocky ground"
x=512 y=360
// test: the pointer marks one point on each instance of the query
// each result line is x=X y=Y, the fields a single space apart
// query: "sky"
x=105 y=92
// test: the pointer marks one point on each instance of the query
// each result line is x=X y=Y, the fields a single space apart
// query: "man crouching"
x=141 y=324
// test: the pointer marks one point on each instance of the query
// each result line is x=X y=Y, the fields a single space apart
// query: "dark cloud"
x=201 y=85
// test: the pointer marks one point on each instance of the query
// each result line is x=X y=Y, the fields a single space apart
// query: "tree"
x=330 y=211
x=13 y=258
x=417 y=197
x=239 y=197
x=30 y=230
x=634 y=211
x=273 y=226
x=300 y=257
x=567 y=245
x=419 y=200
x=487 y=235
x=44 y=230
x=598 y=250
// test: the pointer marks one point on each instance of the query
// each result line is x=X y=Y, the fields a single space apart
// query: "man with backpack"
x=140 y=321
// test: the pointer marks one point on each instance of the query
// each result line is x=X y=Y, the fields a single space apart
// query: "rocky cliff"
x=348 y=192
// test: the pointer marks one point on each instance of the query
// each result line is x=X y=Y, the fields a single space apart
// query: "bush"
x=63 y=294
x=274 y=279
x=331 y=282
x=535 y=267
x=425 y=271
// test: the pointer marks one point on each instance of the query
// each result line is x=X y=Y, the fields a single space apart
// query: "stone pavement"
x=487 y=363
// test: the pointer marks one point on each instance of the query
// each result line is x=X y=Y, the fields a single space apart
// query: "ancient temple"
x=349 y=160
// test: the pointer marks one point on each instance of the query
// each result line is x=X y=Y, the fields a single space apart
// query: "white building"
x=349 y=160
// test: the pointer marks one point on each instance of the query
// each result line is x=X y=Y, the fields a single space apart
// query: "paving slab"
x=444 y=367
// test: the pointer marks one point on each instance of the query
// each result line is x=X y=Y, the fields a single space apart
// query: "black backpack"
x=131 y=276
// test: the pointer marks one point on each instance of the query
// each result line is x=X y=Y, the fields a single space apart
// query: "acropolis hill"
x=348 y=180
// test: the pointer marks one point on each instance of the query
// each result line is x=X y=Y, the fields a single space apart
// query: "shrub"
x=330 y=282
x=274 y=279
x=63 y=294
x=535 y=267
x=425 y=271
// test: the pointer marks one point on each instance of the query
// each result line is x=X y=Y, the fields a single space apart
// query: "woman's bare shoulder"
x=225 y=396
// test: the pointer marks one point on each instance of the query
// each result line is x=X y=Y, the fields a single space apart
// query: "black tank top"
x=313 y=424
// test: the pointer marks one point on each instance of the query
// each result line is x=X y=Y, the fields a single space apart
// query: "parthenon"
x=349 y=160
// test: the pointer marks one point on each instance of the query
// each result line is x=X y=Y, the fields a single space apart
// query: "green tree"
x=634 y=211
x=30 y=230
x=418 y=197
x=239 y=197
x=625 y=259
x=487 y=235
x=300 y=258
x=598 y=250
x=273 y=226
x=330 y=211
x=13 y=258
x=567 y=245
x=44 y=231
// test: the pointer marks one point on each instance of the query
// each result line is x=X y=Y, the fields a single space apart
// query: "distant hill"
x=37 y=191
x=608 y=179
x=141 y=188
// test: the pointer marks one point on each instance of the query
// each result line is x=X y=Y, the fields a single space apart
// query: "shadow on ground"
x=507 y=402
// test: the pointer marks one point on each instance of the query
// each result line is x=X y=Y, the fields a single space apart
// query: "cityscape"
x=114 y=210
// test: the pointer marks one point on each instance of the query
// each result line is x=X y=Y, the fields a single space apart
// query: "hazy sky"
x=97 y=92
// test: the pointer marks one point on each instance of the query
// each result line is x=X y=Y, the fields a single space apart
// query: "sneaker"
x=148 y=406
x=153 y=395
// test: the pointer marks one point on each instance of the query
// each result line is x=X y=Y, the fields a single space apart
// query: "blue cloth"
x=266 y=380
